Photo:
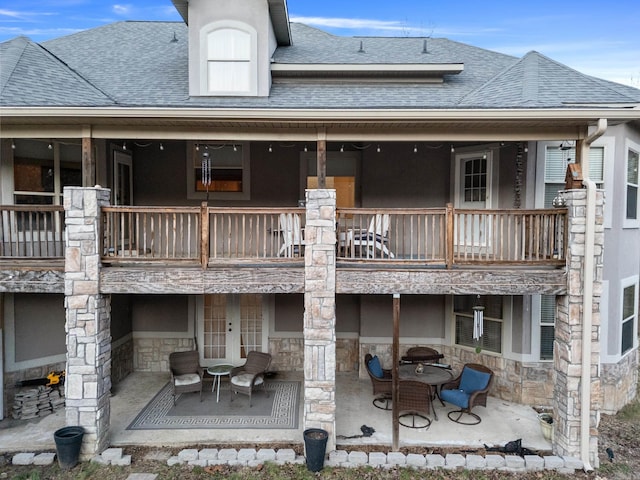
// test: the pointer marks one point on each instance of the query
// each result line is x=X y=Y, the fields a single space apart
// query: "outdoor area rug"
x=280 y=410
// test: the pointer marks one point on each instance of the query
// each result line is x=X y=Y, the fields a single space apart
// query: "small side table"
x=218 y=371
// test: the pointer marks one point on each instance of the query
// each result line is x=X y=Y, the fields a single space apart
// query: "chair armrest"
x=452 y=385
x=235 y=371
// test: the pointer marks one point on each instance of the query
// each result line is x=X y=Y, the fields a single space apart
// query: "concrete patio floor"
x=501 y=422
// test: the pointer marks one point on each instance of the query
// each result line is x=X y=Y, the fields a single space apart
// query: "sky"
x=594 y=37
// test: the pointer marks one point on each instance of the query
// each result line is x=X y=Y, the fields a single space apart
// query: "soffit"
x=367 y=125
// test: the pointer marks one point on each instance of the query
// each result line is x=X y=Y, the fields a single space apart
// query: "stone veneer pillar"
x=320 y=313
x=568 y=334
x=88 y=320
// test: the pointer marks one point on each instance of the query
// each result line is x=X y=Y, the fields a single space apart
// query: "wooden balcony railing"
x=204 y=235
x=32 y=231
x=451 y=236
x=201 y=234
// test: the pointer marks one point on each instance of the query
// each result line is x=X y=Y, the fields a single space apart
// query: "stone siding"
x=152 y=354
x=121 y=360
x=619 y=381
x=288 y=354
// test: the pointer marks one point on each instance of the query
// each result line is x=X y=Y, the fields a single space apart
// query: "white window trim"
x=630 y=222
x=204 y=67
x=536 y=330
x=609 y=145
x=632 y=281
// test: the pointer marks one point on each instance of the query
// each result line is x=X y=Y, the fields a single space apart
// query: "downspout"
x=587 y=299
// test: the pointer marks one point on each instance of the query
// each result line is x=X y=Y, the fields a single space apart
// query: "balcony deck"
x=239 y=250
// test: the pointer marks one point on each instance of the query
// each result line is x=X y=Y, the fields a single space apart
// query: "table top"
x=222 y=369
x=431 y=375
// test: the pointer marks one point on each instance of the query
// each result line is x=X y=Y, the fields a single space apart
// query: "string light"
x=270 y=148
x=415 y=149
x=13 y=145
x=342 y=148
x=50 y=146
x=305 y=147
x=452 y=149
x=161 y=146
x=378 y=149
x=124 y=145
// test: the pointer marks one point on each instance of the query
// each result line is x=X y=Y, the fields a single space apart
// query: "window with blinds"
x=547 y=326
x=632 y=185
x=555 y=169
x=629 y=315
x=491 y=339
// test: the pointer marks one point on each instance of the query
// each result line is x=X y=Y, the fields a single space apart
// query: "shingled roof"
x=145 y=64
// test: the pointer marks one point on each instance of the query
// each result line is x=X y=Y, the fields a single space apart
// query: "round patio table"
x=434 y=376
x=217 y=372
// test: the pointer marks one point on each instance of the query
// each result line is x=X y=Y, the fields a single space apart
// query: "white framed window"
x=229 y=59
x=556 y=160
x=629 y=317
x=493 y=314
x=632 y=192
x=547 y=326
x=218 y=171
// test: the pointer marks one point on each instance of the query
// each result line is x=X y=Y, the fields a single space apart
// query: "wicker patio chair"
x=250 y=375
x=186 y=373
x=468 y=390
x=381 y=382
x=422 y=354
x=414 y=403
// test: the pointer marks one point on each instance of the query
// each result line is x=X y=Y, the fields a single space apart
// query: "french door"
x=230 y=326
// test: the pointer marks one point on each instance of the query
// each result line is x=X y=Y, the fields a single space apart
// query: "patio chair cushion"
x=375 y=367
x=473 y=380
x=244 y=380
x=457 y=397
x=187 y=379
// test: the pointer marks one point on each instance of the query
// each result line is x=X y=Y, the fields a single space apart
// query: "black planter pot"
x=68 y=442
x=315 y=445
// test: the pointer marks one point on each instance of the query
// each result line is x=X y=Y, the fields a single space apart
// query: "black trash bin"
x=68 y=443
x=315 y=445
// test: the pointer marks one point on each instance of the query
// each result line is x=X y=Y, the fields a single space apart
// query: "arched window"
x=230 y=61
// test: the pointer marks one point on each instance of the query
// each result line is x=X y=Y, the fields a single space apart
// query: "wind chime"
x=478 y=320
x=206 y=171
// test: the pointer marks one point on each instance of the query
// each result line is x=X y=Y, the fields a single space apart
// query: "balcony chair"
x=380 y=380
x=414 y=402
x=250 y=375
x=468 y=390
x=374 y=239
x=186 y=373
x=291 y=235
x=422 y=355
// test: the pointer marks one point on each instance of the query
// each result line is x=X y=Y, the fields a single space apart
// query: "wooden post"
x=395 y=379
x=449 y=239
x=88 y=163
x=321 y=159
x=204 y=235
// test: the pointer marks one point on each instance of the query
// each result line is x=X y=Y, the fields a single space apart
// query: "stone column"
x=568 y=334
x=88 y=323
x=320 y=313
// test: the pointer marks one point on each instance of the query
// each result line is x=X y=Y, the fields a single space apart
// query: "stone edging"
x=340 y=458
